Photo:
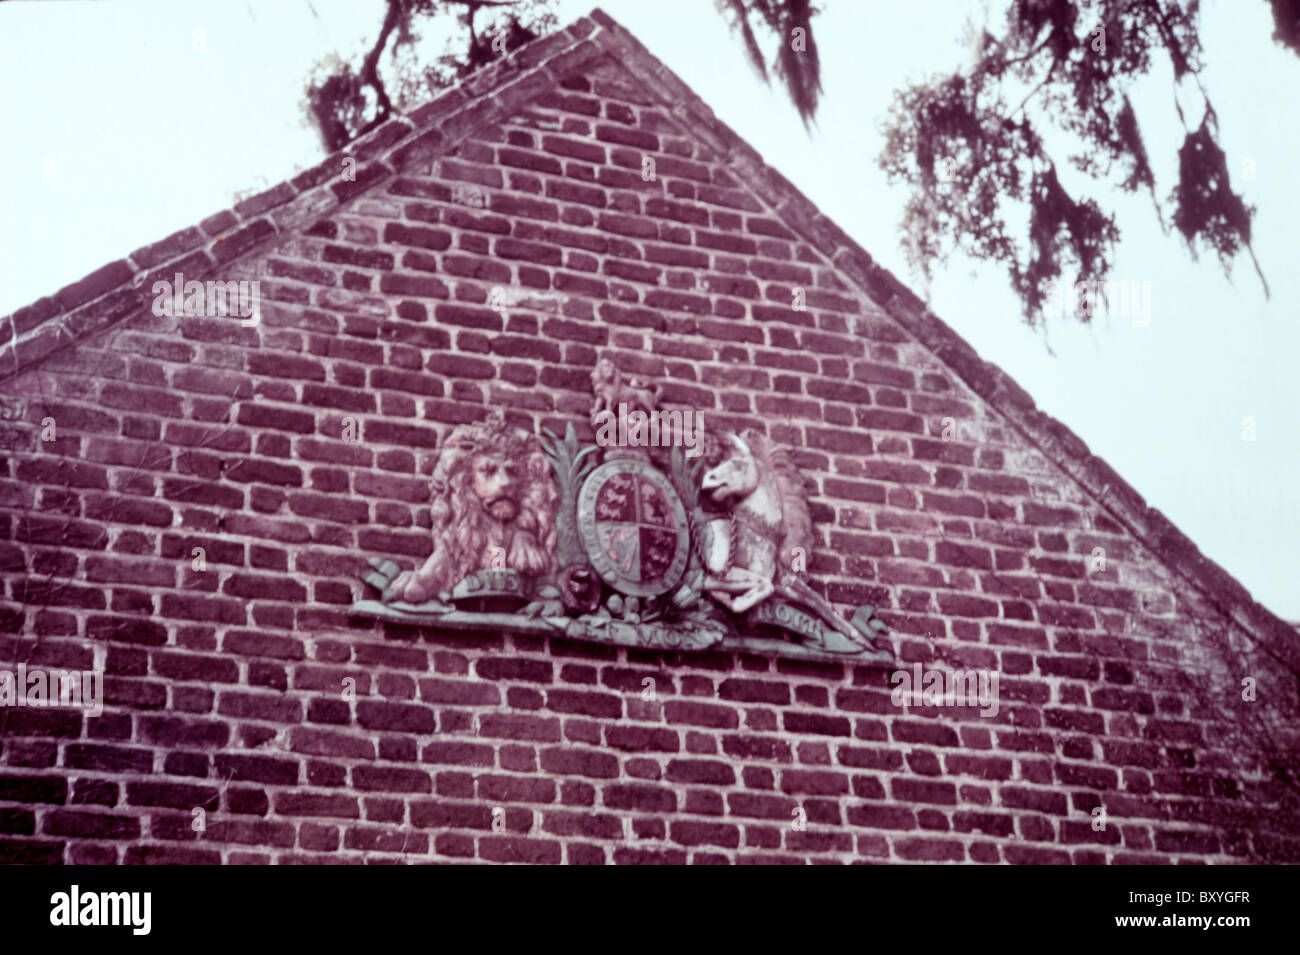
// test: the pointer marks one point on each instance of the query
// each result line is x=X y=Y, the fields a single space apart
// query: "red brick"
x=642 y=798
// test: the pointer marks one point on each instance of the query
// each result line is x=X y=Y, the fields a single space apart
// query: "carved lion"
x=611 y=389
x=494 y=502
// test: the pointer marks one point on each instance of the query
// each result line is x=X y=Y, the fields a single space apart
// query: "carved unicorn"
x=751 y=555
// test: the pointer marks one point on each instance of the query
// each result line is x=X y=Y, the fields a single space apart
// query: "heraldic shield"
x=634 y=528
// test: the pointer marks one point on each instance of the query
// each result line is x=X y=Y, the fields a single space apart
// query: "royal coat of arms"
x=662 y=539
x=633 y=528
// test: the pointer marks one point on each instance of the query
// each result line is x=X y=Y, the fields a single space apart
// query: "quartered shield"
x=634 y=528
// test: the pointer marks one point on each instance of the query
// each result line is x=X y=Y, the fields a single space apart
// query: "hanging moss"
x=968 y=143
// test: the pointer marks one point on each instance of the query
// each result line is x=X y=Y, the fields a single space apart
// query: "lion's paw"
x=408 y=587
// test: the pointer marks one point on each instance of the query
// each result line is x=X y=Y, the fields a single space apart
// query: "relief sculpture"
x=493 y=508
x=636 y=546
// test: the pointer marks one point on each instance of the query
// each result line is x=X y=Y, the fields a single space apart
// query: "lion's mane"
x=464 y=533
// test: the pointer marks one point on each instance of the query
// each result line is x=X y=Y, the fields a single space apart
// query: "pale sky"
x=125 y=121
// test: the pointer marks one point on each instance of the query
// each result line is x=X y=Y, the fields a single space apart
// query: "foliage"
x=796 y=61
x=973 y=149
x=346 y=102
x=1286 y=23
x=571 y=465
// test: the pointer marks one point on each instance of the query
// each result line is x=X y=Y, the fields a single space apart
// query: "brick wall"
x=228 y=688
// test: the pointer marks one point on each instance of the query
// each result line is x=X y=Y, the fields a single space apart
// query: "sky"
x=121 y=122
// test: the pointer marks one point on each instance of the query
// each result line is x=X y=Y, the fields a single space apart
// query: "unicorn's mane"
x=795 y=518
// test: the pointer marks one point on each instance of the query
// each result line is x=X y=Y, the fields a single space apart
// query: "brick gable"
x=490 y=248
